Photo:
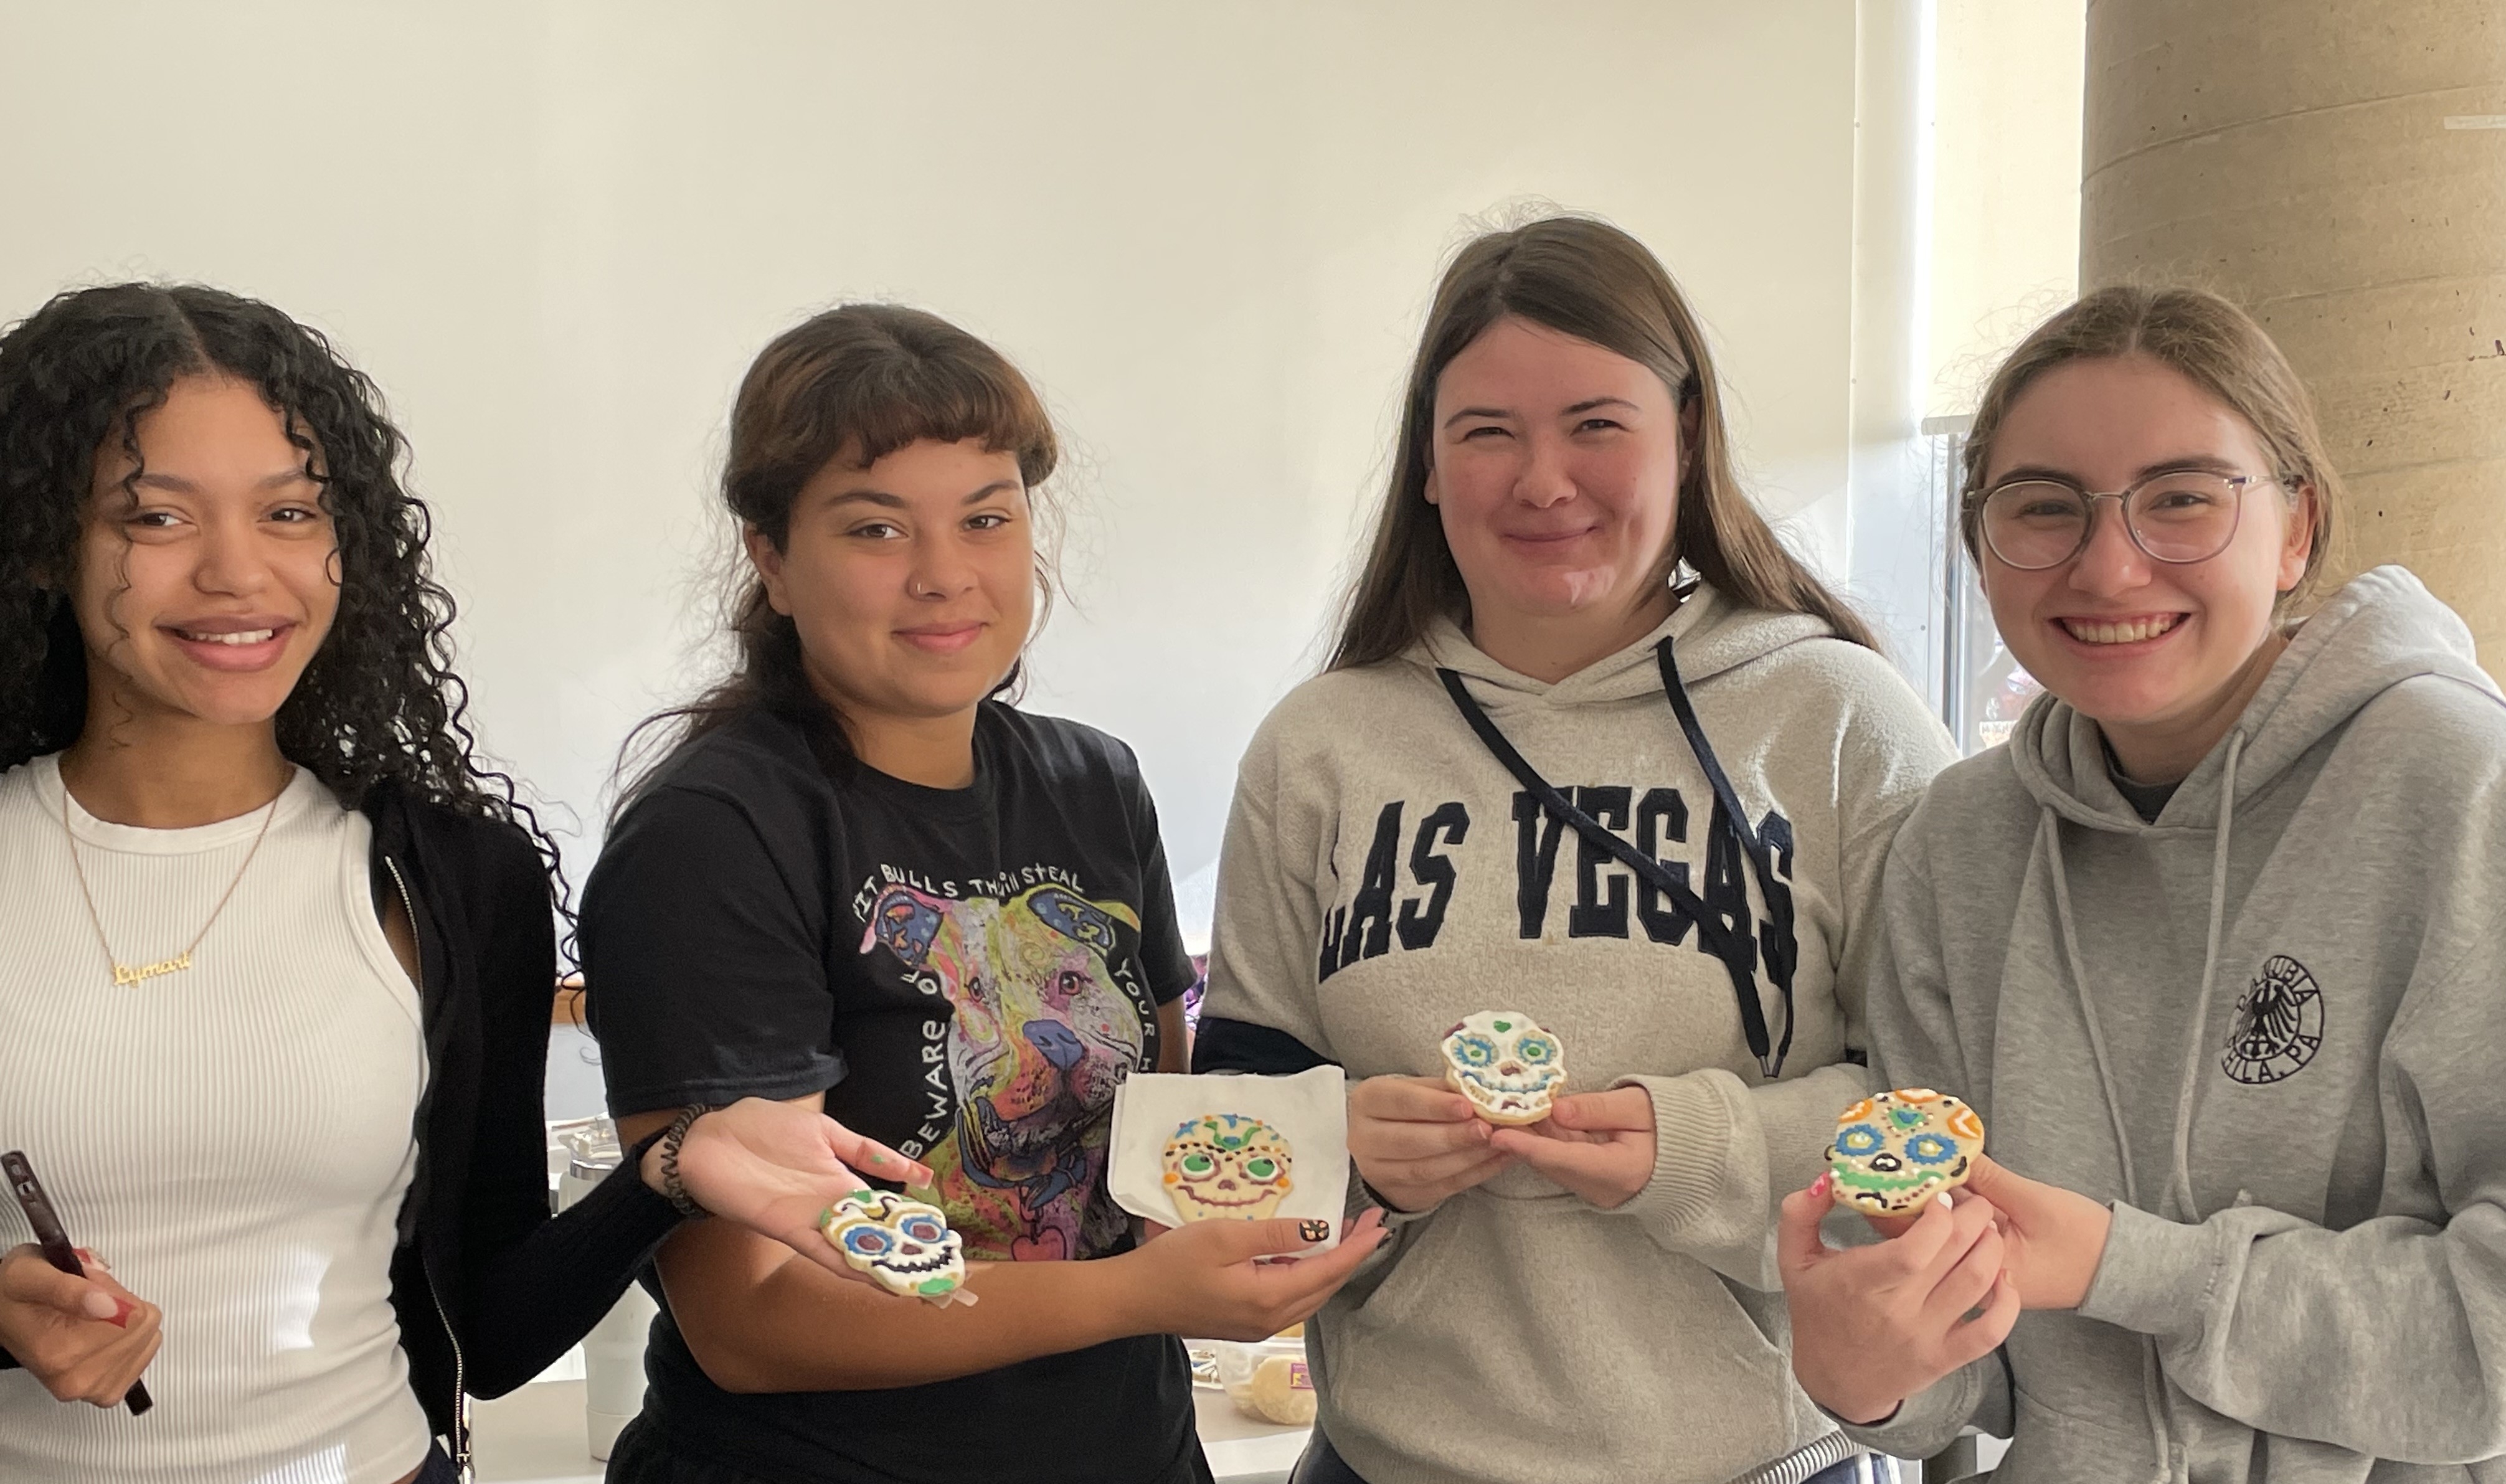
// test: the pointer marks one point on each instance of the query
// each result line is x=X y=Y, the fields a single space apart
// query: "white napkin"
x=1309 y=1109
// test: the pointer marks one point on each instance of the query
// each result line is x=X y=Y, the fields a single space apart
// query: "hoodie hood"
x=2383 y=627
x=1711 y=634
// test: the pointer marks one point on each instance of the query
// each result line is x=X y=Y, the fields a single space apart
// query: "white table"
x=535 y=1436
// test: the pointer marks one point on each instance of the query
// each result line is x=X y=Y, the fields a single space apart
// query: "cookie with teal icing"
x=1896 y=1150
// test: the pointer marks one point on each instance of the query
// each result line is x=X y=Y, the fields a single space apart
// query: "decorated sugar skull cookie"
x=1509 y=1069
x=1228 y=1165
x=904 y=1243
x=1893 y=1151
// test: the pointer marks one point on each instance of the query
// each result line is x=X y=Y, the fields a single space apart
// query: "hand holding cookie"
x=1416 y=1142
x=1873 y=1325
x=2052 y=1239
x=1599 y=1145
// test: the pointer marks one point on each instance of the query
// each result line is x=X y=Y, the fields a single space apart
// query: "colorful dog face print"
x=902 y=1243
x=1038 y=1028
x=1228 y=1165
x=1895 y=1150
x=1509 y=1069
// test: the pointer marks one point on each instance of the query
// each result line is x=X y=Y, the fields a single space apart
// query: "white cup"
x=612 y=1353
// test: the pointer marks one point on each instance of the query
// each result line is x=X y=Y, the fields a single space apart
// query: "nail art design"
x=1314 y=1231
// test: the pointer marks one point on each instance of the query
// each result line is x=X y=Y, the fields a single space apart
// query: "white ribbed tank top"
x=235 y=1140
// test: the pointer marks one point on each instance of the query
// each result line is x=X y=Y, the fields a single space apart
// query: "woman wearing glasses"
x=2214 y=946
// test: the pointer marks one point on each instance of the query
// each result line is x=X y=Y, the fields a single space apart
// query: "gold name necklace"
x=125 y=974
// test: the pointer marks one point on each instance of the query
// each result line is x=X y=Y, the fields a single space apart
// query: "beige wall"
x=557 y=230
x=2006 y=183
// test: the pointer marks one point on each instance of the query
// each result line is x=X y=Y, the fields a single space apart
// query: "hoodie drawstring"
x=2049 y=834
x=2180 y=1176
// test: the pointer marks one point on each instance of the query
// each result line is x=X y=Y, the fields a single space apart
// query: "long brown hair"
x=857 y=382
x=2202 y=337
x=1588 y=280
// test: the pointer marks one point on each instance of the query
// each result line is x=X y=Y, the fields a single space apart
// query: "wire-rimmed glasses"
x=2178 y=516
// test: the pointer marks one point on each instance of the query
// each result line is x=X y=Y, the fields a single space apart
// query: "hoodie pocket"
x=2049 y=1444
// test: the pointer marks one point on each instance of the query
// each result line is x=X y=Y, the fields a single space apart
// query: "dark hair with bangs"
x=857 y=382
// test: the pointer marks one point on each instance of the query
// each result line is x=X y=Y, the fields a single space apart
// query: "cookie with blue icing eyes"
x=1895 y=1150
x=903 y=1244
x=1510 y=1068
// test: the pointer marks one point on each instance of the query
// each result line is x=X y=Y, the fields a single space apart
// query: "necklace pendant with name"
x=123 y=975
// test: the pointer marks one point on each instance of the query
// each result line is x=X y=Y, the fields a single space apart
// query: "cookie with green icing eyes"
x=1228 y=1165
x=1895 y=1150
x=1510 y=1068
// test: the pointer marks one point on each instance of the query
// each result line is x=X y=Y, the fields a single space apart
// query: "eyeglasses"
x=2177 y=518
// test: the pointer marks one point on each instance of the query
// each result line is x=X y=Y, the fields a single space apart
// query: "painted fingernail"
x=101 y=1305
x=121 y=1316
x=1314 y=1231
x=1945 y=1202
x=1825 y=1183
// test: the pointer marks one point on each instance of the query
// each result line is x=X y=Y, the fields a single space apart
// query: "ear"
x=1430 y=489
x=1691 y=417
x=2298 y=546
x=908 y=922
x=769 y=564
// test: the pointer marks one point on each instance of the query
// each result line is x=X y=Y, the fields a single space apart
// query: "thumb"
x=1798 y=1243
x=1627 y=1109
x=1235 y=1242
x=2009 y=1191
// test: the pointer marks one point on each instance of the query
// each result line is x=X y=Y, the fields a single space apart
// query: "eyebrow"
x=2190 y=463
x=181 y=486
x=887 y=501
x=1585 y=405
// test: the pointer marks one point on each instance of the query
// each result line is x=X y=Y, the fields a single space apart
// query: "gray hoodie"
x=1384 y=876
x=2270 y=1027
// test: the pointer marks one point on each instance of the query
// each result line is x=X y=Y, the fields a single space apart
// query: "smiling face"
x=1228 y=1165
x=2161 y=656
x=912 y=581
x=204 y=585
x=904 y=1243
x=1555 y=475
x=1506 y=1065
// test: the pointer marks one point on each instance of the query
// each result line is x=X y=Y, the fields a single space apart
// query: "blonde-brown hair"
x=2199 y=336
x=1588 y=280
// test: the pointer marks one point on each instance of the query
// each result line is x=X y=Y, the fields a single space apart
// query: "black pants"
x=1323 y=1465
x=437 y=1468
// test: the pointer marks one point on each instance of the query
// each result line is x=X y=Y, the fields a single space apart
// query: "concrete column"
x=2338 y=167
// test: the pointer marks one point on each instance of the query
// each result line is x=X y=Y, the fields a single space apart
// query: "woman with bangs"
x=862 y=879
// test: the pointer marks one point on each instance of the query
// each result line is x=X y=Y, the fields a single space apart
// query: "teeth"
x=2131 y=632
x=247 y=636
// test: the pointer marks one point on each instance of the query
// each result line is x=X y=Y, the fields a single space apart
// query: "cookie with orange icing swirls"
x=1895 y=1150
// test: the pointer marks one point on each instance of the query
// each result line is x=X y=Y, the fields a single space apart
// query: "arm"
x=2388 y=1338
x=1914 y=1043
x=533 y=1284
x=759 y=1319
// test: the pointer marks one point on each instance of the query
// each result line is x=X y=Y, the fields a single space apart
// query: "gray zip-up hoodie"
x=2270 y=1027
x=1384 y=876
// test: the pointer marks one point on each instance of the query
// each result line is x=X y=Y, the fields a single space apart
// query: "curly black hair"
x=380 y=702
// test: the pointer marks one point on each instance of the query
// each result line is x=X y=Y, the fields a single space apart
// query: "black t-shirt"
x=968 y=973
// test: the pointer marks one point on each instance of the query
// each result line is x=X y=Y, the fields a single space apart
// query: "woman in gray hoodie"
x=2214 y=945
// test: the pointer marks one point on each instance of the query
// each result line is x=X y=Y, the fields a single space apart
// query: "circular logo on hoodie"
x=2278 y=1025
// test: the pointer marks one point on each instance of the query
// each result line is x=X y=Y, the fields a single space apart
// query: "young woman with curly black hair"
x=276 y=951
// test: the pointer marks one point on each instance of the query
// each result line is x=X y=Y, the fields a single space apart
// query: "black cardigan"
x=489 y=1288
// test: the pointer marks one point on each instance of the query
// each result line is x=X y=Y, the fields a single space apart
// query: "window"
x=1982 y=689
